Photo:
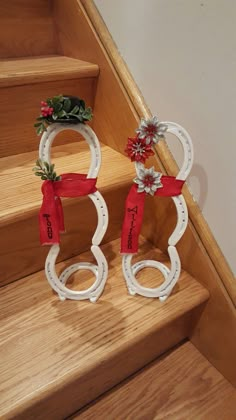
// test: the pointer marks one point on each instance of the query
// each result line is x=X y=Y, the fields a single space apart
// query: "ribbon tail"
x=60 y=214
x=132 y=224
x=48 y=216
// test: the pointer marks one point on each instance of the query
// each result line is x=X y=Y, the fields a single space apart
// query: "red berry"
x=46 y=110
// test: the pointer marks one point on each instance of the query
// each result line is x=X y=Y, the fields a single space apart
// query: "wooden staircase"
x=21 y=200
x=57 y=357
x=23 y=81
x=168 y=389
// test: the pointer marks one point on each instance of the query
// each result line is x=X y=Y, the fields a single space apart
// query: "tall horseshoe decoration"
x=101 y=269
x=171 y=275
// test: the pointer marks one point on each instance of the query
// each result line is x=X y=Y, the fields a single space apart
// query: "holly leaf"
x=47 y=166
x=40 y=129
x=61 y=114
x=51 y=169
x=87 y=114
x=82 y=103
x=57 y=100
x=67 y=104
x=57 y=107
x=75 y=110
x=50 y=102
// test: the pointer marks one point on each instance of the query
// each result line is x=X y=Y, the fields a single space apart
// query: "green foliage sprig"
x=45 y=171
x=62 y=109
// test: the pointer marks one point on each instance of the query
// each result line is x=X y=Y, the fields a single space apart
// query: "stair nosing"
x=34 y=77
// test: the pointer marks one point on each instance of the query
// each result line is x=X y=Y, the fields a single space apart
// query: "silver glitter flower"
x=148 y=181
x=151 y=130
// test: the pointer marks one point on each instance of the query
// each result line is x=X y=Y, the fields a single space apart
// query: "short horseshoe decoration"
x=154 y=183
x=101 y=270
x=51 y=213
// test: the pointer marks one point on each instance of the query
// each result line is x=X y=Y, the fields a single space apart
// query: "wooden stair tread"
x=57 y=356
x=21 y=189
x=180 y=385
x=28 y=70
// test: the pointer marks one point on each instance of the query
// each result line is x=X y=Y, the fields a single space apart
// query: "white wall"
x=182 y=54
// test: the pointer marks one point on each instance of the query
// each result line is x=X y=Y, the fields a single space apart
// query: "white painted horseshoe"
x=171 y=275
x=101 y=269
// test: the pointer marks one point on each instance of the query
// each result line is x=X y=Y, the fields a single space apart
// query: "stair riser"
x=27 y=28
x=84 y=389
x=21 y=253
x=20 y=106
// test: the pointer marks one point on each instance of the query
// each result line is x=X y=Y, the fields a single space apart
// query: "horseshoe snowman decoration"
x=148 y=181
x=67 y=112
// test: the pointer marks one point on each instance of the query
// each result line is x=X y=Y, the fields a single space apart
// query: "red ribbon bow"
x=134 y=209
x=51 y=219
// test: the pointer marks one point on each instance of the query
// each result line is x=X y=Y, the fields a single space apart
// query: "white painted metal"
x=101 y=269
x=171 y=275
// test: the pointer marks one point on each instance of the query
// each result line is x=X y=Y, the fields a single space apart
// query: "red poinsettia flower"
x=138 y=150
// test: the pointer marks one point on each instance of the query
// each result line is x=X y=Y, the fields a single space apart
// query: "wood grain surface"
x=166 y=161
x=25 y=9
x=55 y=357
x=215 y=335
x=21 y=200
x=199 y=252
x=19 y=241
x=21 y=189
x=114 y=115
x=26 y=28
x=179 y=385
x=29 y=70
x=20 y=106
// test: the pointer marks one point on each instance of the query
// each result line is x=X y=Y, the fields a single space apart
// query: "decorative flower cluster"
x=149 y=132
x=148 y=180
x=139 y=148
x=64 y=109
